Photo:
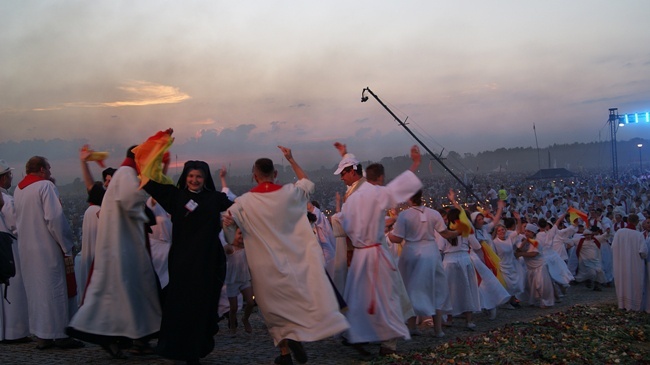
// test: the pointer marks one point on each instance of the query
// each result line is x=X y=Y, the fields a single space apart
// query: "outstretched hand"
x=286 y=152
x=223 y=172
x=415 y=154
x=451 y=195
x=343 y=149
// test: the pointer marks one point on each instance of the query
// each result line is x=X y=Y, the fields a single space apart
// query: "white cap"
x=4 y=167
x=532 y=227
x=473 y=216
x=347 y=161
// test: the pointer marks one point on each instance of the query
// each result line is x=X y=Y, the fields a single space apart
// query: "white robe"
x=513 y=272
x=14 y=321
x=629 y=268
x=420 y=264
x=160 y=240
x=286 y=263
x=88 y=239
x=341 y=255
x=122 y=295
x=44 y=237
x=326 y=239
x=367 y=286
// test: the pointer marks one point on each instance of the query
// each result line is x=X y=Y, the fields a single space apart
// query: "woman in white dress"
x=464 y=297
x=420 y=263
x=513 y=272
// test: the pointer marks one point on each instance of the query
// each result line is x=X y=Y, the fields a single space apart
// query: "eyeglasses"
x=344 y=172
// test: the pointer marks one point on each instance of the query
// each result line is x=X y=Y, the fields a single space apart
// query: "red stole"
x=582 y=240
x=266 y=187
x=28 y=180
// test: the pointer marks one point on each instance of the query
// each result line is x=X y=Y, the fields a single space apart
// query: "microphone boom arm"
x=364 y=98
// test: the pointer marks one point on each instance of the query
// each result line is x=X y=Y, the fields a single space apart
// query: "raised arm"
x=343 y=149
x=300 y=174
x=416 y=157
x=84 y=153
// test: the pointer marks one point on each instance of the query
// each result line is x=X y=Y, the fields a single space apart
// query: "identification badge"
x=191 y=205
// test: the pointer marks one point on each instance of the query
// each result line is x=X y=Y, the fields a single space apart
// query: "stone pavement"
x=257 y=348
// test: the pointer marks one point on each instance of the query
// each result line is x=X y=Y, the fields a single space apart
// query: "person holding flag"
x=197 y=261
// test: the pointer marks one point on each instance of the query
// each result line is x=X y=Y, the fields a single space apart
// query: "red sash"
x=582 y=240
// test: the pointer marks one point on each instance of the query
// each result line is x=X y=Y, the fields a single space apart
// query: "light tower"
x=613 y=126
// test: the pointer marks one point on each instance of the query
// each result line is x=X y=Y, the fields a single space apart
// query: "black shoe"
x=298 y=351
x=68 y=343
x=597 y=288
x=283 y=360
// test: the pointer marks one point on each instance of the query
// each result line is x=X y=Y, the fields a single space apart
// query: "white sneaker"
x=471 y=326
x=440 y=335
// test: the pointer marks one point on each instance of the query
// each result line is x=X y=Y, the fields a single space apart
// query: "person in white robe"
x=539 y=284
x=513 y=272
x=14 y=320
x=292 y=290
x=160 y=240
x=44 y=240
x=646 y=285
x=325 y=234
x=340 y=252
x=630 y=253
x=121 y=299
x=88 y=238
x=374 y=308
x=590 y=267
x=420 y=263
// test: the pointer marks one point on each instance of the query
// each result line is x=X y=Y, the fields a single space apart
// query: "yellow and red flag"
x=462 y=225
x=98 y=157
x=493 y=262
x=150 y=154
x=575 y=214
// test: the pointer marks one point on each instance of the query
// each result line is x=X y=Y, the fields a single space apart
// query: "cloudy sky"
x=236 y=78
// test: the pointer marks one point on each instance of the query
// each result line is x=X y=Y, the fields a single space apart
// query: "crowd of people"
x=369 y=265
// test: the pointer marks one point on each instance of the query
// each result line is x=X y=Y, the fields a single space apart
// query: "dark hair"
x=374 y=172
x=541 y=223
x=452 y=216
x=509 y=222
x=315 y=203
x=264 y=167
x=35 y=164
x=96 y=193
x=129 y=151
x=108 y=172
x=417 y=198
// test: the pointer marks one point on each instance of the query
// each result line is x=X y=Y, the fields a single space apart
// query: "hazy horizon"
x=236 y=79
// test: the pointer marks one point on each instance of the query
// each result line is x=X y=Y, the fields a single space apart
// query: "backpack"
x=7 y=264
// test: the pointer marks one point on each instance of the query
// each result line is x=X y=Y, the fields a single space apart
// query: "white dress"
x=629 y=268
x=513 y=272
x=464 y=294
x=44 y=237
x=375 y=311
x=286 y=264
x=122 y=293
x=421 y=264
x=539 y=285
x=590 y=261
x=14 y=321
x=160 y=240
x=88 y=239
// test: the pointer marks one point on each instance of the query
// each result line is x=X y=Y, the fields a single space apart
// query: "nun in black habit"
x=197 y=263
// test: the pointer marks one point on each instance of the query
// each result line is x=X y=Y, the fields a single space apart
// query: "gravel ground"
x=257 y=348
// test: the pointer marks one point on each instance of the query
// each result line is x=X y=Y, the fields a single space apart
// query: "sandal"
x=114 y=350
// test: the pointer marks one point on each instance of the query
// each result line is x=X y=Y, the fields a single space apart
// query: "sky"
x=234 y=79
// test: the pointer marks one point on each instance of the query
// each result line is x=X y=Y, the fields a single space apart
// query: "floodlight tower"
x=613 y=126
x=615 y=120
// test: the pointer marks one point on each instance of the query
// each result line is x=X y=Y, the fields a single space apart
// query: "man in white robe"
x=14 y=321
x=44 y=240
x=325 y=235
x=121 y=298
x=630 y=253
x=374 y=309
x=293 y=293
